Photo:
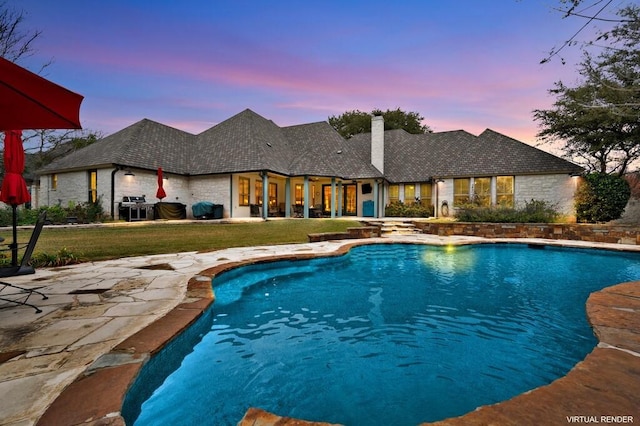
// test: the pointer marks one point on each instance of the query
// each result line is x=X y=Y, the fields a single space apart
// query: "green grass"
x=112 y=242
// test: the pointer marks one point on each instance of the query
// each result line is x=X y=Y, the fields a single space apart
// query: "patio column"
x=265 y=195
x=494 y=190
x=339 y=198
x=376 y=201
x=287 y=198
x=306 y=197
x=231 y=195
x=333 y=198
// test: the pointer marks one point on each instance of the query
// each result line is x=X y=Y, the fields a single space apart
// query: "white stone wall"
x=72 y=187
x=558 y=189
x=214 y=189
x=145 y=183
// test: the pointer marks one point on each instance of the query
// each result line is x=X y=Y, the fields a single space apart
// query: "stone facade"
x=554 y=189
x=70 y=187
x=615 y=234
x=214 y=189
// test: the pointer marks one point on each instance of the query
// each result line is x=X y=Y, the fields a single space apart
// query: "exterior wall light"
x=129 y=173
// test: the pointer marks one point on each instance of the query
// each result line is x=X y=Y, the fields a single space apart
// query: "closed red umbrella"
x=14 y=188
x=160 y=193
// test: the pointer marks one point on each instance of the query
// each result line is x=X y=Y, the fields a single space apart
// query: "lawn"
x=144 y=238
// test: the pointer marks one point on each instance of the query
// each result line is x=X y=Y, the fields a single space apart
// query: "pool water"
x=387 y=334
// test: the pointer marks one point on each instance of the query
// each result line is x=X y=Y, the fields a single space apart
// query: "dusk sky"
x=463 y=64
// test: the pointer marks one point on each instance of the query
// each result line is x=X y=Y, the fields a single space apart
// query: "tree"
x=44 y=144
x=598 y=121
x=47 y=145
x=601 y=198
x=14 y=42
x=353 y=122
x=592 y=11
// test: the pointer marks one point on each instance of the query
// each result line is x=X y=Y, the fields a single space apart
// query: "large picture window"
x=93 y=186
x=409 y=193
x=461 y=189
x=273 y=195
x=394 y=193
x=482 y=191
x=243 y=191
x=298 y=194
x=504 y=191
x=258 y=192
x=426 y=197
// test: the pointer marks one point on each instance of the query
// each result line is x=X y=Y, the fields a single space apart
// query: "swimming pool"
x=416 y=334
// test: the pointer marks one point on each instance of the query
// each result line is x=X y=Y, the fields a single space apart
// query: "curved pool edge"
x=605 y=383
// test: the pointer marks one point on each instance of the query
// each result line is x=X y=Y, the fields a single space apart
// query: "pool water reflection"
x=387 y=334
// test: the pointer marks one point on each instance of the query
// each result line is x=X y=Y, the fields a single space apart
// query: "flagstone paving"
x=72 y=363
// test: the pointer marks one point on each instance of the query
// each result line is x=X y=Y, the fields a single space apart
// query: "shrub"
x=61 y=258
x=84 y=213
x=601 y=197
x=534 y=211
x=400 y=209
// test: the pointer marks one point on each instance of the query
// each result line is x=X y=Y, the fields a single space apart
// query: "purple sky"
x=462 y=64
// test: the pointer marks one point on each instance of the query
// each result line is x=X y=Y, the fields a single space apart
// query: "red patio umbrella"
x=28 y=101
x=160 y=192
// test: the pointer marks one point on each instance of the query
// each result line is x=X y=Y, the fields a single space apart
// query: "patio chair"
x=23 y=268
x=254 y=210
x=298 y=210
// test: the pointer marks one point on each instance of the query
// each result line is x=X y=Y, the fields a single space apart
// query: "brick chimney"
x=377 y=142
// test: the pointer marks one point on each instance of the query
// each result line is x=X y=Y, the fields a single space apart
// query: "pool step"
x=396 y=228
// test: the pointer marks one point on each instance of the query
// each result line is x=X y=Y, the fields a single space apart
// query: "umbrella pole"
x=14 y=245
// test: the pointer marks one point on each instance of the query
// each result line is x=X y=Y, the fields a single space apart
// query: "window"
x=243 y=191
x=409 y=193
x=426 y=191
x=273 y=194
x=313 y=196
x=54 y=181
x=299 y=194
x=482 y=191
x=394 y=193
x=461 y=191
x=504 y=191
x=258 y=197
x=93 y=186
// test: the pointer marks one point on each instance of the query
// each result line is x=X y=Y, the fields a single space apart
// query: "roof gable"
x=244 y=142
x=145 y=144
x=420 y=157
x=318 y=149
x=510 y=156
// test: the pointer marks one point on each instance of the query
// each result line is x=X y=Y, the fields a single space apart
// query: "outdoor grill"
x=135 y=208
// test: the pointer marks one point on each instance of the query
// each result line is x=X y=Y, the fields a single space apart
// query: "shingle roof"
x=319 y=150
x=249 y=142
x=244 y=142
x=145 y=144
x=415 y=158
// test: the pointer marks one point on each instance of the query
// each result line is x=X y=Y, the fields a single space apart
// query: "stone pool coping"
x=605 y=383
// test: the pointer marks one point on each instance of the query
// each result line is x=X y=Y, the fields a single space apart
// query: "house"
x=251 y=166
